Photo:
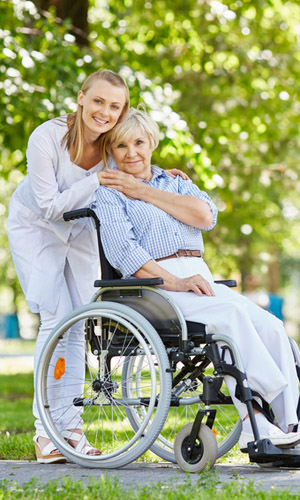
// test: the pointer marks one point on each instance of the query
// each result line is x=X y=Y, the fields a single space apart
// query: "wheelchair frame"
x=137 y=306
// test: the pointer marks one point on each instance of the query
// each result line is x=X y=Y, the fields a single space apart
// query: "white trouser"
x=72 y=348
x=260 y=337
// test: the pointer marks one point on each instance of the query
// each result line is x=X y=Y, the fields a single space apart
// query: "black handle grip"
x=80 y=214
x=107 y=271
x=230 y=283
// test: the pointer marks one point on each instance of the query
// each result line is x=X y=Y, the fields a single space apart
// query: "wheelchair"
x=149 y=380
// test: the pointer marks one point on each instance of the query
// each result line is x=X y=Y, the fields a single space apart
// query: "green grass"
x=207 y=487
x=13 y=387
x=16 y=432
x=16 y=423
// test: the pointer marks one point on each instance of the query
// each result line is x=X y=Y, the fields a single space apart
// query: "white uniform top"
x=39 y=238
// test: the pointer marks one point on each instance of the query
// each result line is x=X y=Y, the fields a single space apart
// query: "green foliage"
x=222 y=81
x=38 y=58
x=39 y=61
x=233 y=69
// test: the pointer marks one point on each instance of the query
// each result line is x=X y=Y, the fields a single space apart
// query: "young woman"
x=57 y=262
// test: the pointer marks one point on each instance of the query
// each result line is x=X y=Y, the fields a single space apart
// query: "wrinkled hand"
x=121 y=181
x=196 y=284
x=173 y=172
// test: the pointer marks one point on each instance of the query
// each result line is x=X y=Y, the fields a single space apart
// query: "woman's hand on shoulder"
x=122 y=182
x=99 y=175
x=195 y=283
x=173 y=172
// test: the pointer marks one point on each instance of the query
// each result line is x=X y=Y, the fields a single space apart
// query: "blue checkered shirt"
x=134 y=231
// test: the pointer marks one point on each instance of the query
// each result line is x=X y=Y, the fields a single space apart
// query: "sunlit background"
x=222 y=79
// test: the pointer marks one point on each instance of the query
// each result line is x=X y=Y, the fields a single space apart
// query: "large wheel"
x=227 y=426
x=202 y=455
x=79 y=383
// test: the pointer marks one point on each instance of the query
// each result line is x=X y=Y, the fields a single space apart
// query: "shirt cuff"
x=214 y=211
x=93 y=182
x=131 y=265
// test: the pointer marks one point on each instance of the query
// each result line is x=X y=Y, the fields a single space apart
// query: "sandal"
x=82 y=446
x=45 y=455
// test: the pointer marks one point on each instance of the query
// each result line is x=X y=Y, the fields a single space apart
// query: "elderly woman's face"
x=133 y=156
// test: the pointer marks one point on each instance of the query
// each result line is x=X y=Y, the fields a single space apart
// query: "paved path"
x=147 y=473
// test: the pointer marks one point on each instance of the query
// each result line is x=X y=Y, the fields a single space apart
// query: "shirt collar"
x=157 y=172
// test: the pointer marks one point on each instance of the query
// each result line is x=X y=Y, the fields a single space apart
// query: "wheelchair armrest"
x=230 y=283
x=128 y=283
x=146 y=282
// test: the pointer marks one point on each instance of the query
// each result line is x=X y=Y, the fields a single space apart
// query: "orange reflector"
x=60 y=368
x=215 y=431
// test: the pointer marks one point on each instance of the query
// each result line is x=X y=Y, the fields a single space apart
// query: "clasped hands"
x=120 y=181
x=126 y=183
x=132 y=187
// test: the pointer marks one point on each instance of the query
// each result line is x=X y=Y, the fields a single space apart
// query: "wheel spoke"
x=91 y=394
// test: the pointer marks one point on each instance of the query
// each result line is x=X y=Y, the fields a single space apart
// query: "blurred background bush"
x=220 y=78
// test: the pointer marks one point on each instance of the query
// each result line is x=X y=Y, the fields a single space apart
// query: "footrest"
x=264 y=452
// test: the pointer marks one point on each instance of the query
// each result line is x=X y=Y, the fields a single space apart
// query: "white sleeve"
x=42 y=161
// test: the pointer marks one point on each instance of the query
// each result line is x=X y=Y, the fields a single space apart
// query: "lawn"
x=16 y=423
x=16 y=428
x=207 y=487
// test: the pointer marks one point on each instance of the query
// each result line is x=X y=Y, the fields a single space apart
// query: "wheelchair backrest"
x=155 y=307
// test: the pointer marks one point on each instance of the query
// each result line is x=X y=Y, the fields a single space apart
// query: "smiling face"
x=102 y=105
x=133 y=155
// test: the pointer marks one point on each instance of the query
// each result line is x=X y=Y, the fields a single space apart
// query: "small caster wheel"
x=204 y=453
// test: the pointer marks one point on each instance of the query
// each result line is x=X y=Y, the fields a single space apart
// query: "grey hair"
x=134 y=119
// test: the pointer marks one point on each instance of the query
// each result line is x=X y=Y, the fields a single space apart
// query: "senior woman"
x=160 y=234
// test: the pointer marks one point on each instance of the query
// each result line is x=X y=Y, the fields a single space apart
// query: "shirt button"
x=88 y=173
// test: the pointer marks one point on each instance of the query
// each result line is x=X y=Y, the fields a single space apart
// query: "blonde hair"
x=74 y=138
x=134 y=119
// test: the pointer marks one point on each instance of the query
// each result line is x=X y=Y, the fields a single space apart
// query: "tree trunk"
x=274 y=276
x=76 y=10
